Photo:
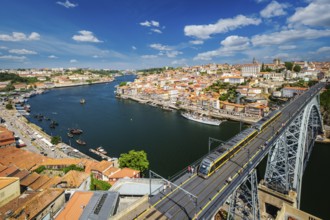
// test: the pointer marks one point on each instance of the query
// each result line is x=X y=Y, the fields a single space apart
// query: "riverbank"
x=81 y=84
x=219 y=114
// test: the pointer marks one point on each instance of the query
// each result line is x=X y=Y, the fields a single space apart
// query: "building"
x=95 y=205
x=9 y=189
x=250 y=70
x=6 y=138
x=289 y=92
x=233 y=79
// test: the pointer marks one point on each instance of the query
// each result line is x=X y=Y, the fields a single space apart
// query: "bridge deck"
x=212 y=192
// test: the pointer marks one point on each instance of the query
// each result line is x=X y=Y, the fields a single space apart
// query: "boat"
x=201 y=118
x=75 y=131
x=101 y=150
x=82 y=101
x=70 y=135
x=80 y=142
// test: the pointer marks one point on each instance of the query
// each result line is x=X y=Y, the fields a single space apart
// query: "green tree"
x=123 y=84
x=9 y=106
x=297 y=68
x=262 y=67
x=134 y=159
x=99 y=184
x=72 y=167
x=55 y=140
x=288 y=65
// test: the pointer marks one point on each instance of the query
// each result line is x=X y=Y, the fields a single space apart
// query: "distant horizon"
x=146 y=34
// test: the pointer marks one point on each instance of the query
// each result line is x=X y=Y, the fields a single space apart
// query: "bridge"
x=288 y=142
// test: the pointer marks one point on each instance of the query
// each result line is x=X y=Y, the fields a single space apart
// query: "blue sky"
x=135 y=34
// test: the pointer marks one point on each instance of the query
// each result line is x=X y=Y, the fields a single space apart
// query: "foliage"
x=9 y=106
x=297 y=68
x=134 y=159
x=325 y=100
x=288 y=65
x=14 y=78
x=215 y=87
x=99 y=184
x=72 y=167
x=55 y=140
x=311 y=83
x=154 y=70
x=123 y=84
x=40 y=169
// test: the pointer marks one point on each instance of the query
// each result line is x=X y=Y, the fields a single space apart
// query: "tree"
x=134 y=159
x=123 y=84
x=288 y=65
x=55 y=140
x=262 y=67
x=297 y=68
x=9 y=106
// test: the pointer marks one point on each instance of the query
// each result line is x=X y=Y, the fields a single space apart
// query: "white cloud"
x=160 y=47
x=86 y=36
x=134 y=48
x=323 y=50
x=22 y=51
x=96 y=56
x=18 y=36
x=3 y=48
x=273 y=9
x=150 y=23
x=315 y=14
x=13 y=58
x=196 y=42
x=230 y=46
x=67 y=4
x=285 y=36
x=52 y=57
x=222 y=26
x=179 y=62
x=172 y=53
x=149 y=56
x=73 y=61
x=156 y=30
x=234 y=41
x=287 y=47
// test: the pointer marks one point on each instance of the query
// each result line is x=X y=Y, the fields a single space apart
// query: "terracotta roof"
x=125 y=172
x=6 y=181
x=110 y=171
x=74 y=178
x=2 y=167
x=295 y=88
x=61 y=161
x=16 y=203
x=6 y=137
x=74 y=208
x=30 y=179
x=8 y=171
x=21 y=174
x=37 y=203
x=13 y=155
x=52 y=183
x=102 y=166
x=39 y=182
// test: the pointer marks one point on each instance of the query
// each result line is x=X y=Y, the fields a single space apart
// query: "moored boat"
x=101 y=150
x=70 y=135
x=82 y=101
x=80 y=142
x=75 y=131
x=201 y=118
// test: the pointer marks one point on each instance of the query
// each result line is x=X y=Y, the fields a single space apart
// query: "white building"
x=250 y=70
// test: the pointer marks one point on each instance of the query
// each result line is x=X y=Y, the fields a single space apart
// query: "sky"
x=138 y=34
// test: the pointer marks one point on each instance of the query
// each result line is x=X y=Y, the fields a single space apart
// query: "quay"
x=100 y=154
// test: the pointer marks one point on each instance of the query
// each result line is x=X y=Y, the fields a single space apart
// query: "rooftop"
x=6 y=181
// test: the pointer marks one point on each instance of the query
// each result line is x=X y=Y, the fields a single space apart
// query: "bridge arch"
x=290 y=152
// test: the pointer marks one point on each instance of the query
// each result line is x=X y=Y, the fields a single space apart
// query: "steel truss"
x=290 y=152
x=244 y=201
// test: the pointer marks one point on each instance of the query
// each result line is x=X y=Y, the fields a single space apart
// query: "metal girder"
x=290 y=152
x=244 y=201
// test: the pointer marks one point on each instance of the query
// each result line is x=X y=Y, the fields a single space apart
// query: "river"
x=170 y=141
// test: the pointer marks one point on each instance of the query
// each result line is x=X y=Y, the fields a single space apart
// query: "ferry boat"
x=80 y=142
x=201 y=118
x=101 y=150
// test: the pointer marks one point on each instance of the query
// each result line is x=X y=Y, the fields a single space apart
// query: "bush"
x=72 y=167
x=99 y=184
x=40 y=169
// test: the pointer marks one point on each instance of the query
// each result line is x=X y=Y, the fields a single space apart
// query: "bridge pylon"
x=244 y=202
x=290 y=152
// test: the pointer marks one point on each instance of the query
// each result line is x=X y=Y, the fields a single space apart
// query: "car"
x=32 y=139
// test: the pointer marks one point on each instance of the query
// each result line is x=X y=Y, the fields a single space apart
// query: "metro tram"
x=222 y=154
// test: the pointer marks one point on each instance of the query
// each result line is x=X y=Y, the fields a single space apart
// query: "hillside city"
x=38 y=188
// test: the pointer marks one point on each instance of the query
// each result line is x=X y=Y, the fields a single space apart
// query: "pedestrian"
x=192 y=169
x=189 y=169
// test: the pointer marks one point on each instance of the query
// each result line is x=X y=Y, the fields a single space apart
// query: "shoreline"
x=219 y=115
